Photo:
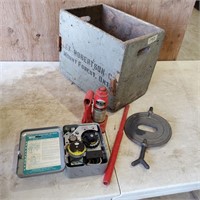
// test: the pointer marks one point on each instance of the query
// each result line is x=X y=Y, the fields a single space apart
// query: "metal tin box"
x=100 y=45
x=78 y=148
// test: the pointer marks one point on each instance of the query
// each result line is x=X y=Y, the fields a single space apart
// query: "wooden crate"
x=101 y=45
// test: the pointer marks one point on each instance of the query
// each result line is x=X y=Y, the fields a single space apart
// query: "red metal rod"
x=115 y=149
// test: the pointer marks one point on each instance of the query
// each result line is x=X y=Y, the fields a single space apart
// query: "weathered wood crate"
x=100 y=45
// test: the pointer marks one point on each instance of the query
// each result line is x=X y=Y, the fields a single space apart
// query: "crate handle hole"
x=143 y=51
x=86 y=18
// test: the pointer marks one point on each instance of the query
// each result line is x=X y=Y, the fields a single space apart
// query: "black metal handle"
x=141 y=160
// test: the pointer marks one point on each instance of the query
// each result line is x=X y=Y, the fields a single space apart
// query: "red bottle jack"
x=95 y=107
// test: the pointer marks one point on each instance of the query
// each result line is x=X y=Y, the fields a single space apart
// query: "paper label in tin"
x=42 y=153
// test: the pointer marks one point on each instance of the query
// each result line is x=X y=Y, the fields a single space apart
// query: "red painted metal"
x=113 y=157
x=88 y=101
x=95 y=107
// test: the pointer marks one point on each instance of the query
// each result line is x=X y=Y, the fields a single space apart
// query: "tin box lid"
x=41 y=151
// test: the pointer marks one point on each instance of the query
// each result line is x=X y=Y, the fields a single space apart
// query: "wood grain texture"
x=29 y=29
x=190 y=47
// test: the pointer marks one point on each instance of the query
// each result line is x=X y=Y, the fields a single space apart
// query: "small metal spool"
x=161 y=129
x=147 y=130
x=91 y=138
x=72 y=138
x=76 y=149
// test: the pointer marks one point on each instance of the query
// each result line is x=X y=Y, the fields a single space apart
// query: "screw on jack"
x=141 y=160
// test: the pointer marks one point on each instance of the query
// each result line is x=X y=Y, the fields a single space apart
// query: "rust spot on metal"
x=113 y=86
x=59 y=43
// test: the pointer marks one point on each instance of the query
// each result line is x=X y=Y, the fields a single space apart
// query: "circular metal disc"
x=157 y=131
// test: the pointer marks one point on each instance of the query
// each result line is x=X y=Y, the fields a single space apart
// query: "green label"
x=42 y=153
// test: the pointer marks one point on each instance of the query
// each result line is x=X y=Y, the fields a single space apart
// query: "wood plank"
x=190 y=46
x=29 y=29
